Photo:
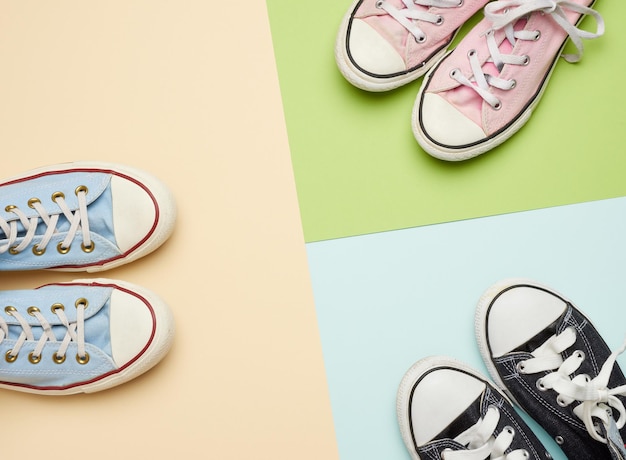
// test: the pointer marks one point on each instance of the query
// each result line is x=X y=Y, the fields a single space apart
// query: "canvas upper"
x=485 y=90
x=82 y=216
x=383 y=44
x=82 y=336
x=448 y=411
x=547 y=355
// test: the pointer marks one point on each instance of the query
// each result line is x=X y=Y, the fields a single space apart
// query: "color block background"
x=359 y=170
x=154 y=83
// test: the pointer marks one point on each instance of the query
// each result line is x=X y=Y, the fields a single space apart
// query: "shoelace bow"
x=597 y=401
x=481 y=443
x=414 y=11
x=504 y=15
x=78 y=220
x=75 y=333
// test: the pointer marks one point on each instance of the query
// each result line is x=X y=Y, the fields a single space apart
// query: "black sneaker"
x=448 y=411
x=549 y=358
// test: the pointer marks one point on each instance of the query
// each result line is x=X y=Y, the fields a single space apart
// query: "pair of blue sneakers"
x=84 y=335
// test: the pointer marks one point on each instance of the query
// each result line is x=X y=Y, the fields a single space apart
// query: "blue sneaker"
x=82 y=217
x=80 y=337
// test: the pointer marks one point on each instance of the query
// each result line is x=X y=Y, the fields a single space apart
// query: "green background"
x=358 y=169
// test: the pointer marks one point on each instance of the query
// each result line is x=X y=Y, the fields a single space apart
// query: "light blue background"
x=388 y=299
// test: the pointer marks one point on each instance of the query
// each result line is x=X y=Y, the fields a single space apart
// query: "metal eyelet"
x=9 y=358
x=537 y=35
x=439 y=20
x=37 y=251
x=509 y=430
x=82 y=301
x=513 y=84
x=57 y=306
x=13 y=250
x=525 y=453
x=560 y=401
x=10 y=208
x=61 y=249
x=471 y=53
x=82 y=359
x=89 y=248
x=460 y=3
x=526 y=60
x=559 y=440
x=520 y=366
x=32 y=202
x=34 y=359
x=9 y=310
x=57 y=195
x=81 y=189
x=580 y=354
x=497 y=106
x=32 y=310
x=540 y=386
x=58 y=359
x=420 y=39
x=379 y=4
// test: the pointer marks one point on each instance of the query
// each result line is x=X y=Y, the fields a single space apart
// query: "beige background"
x=189 y=91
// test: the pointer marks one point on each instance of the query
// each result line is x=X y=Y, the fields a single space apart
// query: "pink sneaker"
x=384 y=44
x=486 y=89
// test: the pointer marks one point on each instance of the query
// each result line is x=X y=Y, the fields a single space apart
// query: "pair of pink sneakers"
x=478 y=95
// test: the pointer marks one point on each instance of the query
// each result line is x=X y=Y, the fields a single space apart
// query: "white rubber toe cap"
x=131 y=327
x=134 y=213
x=441 y=396
x=371 y=52
x=444 y=124
x=518 y=314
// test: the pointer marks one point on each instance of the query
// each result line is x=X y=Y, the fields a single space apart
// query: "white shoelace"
x=78 y=220
x=412 y=12
x=503 y=15
x=596 y=399
x=481 y=443
x=75 y=333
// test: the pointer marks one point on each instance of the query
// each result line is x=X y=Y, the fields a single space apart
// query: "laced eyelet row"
x=493 y=102
x=56 y=358
x=54 y=197
x=41 y=251
x=37 y=251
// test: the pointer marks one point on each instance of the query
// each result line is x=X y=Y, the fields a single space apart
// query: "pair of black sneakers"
x=545 y=356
